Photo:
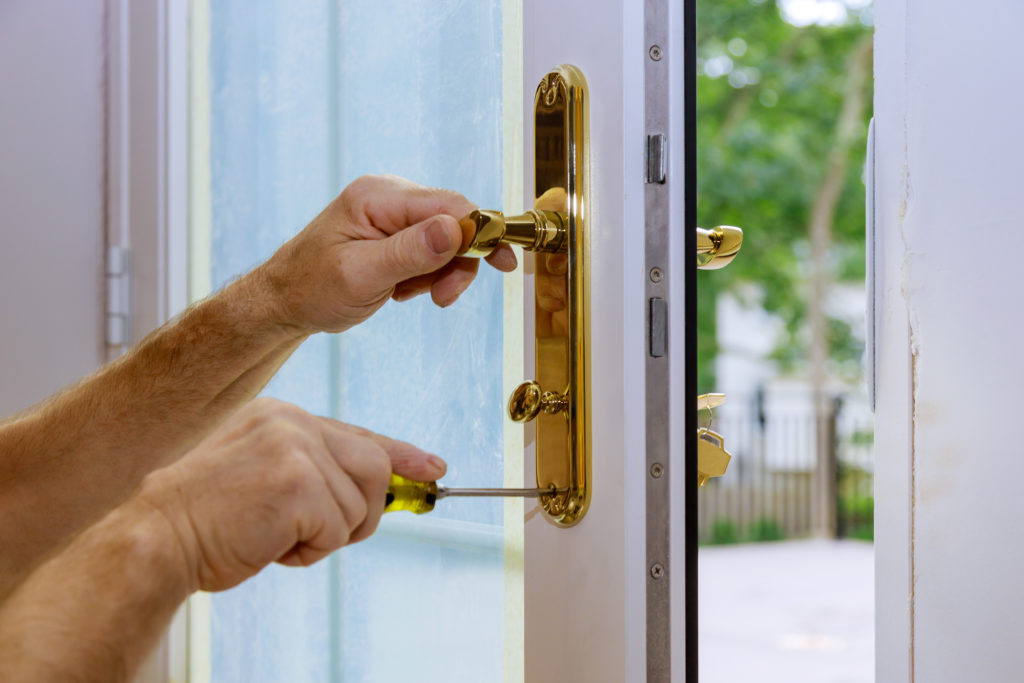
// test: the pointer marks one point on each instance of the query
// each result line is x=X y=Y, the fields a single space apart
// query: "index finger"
x=390 y=203
x=407 y=460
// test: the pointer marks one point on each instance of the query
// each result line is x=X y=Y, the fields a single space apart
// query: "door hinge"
x=655 y=158
x=119 y=296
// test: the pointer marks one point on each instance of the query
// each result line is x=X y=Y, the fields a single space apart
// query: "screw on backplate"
x=549 y=91
x=657 y=470
x=655 y=274
x=657 y=571
x=655 y=53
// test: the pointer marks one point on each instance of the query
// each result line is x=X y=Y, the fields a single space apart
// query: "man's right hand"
x=382 y=237
x=276 y=484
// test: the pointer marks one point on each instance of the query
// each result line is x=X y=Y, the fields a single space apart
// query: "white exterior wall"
x=51 y=196
x=949 y=172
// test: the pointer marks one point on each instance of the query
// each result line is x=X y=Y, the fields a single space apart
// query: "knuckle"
x=295 y=474
x=262 y=408
x=278 y=435
x=289 y=412
x=266 y=405
x=338 y=537
x=450 y=200
x=359 y=509
x=265 y=402
x=263 y=412
x=359 y=189
x=277 y=416
x=379 y=464
x=446 y=195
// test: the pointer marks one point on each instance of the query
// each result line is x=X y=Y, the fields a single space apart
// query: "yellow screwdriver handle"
x=414 y=496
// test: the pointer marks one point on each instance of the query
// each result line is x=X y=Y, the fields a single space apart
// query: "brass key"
x=712 y=458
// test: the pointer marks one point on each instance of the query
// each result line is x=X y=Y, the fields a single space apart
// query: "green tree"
x=781 y=127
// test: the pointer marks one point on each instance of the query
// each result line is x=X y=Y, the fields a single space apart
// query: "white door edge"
x=585 y=586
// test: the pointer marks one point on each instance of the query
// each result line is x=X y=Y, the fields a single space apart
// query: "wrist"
x=162 y=537
x=270 y=297
x=255 y=306
x=94 y=610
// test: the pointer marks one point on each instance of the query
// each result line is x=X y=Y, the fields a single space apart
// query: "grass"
x=724 y=531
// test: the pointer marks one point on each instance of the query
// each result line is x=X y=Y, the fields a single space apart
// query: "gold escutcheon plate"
x=562 y=287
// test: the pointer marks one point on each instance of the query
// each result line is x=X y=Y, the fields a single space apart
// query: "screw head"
x=657 y=571
x=657 y=470
x=655 y=53
x=655 y=274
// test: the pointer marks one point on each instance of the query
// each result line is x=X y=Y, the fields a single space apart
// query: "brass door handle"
x=717 y=247
x=557 y=232
x=528 y=400
x=540 y=231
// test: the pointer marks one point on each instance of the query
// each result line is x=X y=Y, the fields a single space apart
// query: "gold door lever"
x=717 y=247
x=540 y=231
x=528 y=400
x=557 y=232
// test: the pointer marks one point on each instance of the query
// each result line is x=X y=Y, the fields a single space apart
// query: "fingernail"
x=438 y=237
x=437 y=462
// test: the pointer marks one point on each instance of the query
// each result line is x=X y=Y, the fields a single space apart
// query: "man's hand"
x=272 y=484
x=276 y=484
x=382 y=237
x=69 y=460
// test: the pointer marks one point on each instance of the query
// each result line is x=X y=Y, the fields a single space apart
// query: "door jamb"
x=146 y=193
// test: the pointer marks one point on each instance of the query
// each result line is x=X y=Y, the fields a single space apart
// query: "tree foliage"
x=768 y=97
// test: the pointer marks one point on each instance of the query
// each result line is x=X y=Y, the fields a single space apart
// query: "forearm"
x=69 y=460
x=92 y=612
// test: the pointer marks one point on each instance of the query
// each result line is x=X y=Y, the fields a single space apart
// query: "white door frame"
x=147 y=140
x=948 y=167
x=147 y=196
x=889 y=354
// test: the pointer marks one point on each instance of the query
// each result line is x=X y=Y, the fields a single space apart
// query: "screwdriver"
x=420 y=496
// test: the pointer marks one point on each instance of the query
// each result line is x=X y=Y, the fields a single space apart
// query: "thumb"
x=419 y=249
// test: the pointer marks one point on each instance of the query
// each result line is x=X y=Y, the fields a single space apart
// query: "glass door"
x=289 y=103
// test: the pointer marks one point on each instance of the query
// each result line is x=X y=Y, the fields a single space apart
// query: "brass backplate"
x=562 y=291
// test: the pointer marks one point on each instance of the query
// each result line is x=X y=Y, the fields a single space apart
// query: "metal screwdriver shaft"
x=420 y=496
x=444 y=492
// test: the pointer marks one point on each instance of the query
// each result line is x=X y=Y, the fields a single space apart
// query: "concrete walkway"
x=792 y=611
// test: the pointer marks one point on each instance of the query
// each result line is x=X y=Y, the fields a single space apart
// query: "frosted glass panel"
x=305 y=97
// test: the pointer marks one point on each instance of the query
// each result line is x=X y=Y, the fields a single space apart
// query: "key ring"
x=708 y=402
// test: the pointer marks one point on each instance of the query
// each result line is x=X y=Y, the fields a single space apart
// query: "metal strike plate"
x=556 y=235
